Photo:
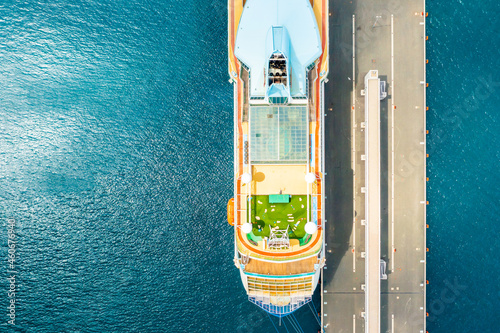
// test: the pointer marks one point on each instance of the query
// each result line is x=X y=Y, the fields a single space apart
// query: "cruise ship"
x=278 y=63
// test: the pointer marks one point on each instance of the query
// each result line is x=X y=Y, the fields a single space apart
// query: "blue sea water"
x=464 y=147
x=116 y=165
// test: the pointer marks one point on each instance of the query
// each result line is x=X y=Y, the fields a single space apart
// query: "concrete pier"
x=372 y=201
x=387 y=36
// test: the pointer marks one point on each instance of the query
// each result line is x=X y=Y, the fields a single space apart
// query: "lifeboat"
x=230 y=211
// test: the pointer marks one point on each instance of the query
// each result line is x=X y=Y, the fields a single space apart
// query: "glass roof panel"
x=278 y=134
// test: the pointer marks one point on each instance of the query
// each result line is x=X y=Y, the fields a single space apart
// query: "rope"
x=285 y=325
x=298 y=324
x=273 y=323
x=293 y=324
x=315 y=313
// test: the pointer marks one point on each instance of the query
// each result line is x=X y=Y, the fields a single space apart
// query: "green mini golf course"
x=267 y=215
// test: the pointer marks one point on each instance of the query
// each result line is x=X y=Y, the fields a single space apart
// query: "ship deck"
x=280 y=156
x=282 y=269
x=291 y=216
